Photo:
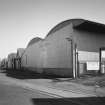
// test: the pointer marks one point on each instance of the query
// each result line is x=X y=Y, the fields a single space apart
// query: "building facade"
x=72 y=48
x=11 y=61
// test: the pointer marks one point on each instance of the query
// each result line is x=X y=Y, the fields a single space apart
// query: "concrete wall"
x=20 y=51
x=51 y=56
x=57 y=52
x=3 y=63
x=11 y=63
x=18 y=61
x=31 y=58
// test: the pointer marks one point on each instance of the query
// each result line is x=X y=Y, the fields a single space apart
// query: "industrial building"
x=11 y=61
x=4 y=63
x=72 y=48
x=19 y=54
x=31 y=58
x=14 y=59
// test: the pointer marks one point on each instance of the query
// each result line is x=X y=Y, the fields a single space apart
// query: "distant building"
x=3 y=63
x=31 y=57
x=18 y=61
x=11 y=61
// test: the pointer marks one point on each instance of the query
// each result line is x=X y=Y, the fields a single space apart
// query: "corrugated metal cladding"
x=56 y=53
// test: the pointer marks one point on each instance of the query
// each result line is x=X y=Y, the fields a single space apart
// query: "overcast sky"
x=22 y=20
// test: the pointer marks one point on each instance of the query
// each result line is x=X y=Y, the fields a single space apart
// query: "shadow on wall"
x=69 y=101
x=24 y=74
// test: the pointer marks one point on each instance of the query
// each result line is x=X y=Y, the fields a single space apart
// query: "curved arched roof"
x=34 y=40
x=80 y=24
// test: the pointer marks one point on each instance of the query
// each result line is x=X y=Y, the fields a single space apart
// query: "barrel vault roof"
x=80 y=24
x=34 y=40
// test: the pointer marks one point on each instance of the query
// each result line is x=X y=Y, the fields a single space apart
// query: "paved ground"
x=85 y=86
x=60 y=91
x=44 y=85
x=89 y=86
x=14 y=95
x=91 y=80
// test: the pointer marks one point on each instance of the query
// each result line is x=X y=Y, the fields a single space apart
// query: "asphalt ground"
x=11 y=95
x=14 y=95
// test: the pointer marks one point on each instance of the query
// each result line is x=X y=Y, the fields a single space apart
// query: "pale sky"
x=22 y=20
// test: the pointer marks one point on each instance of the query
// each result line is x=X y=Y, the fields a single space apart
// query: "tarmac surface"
x=61 y=91
x=15 y=95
